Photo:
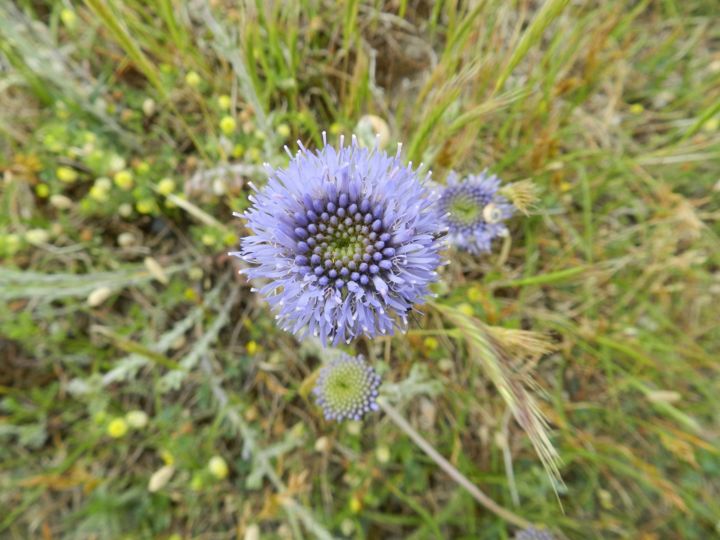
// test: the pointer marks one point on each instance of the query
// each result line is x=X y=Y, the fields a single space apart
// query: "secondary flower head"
x=348 y=239
x=532 y=533
x=347 y=388
x=474 y=211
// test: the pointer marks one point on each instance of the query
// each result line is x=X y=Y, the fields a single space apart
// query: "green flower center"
x=465 y=209
x=347 y=388
x=343 y=386
x=344 y=245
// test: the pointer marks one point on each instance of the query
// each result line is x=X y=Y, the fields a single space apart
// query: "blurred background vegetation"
x=145 y=392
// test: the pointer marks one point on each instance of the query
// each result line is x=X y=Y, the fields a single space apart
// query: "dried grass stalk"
x=487 y=346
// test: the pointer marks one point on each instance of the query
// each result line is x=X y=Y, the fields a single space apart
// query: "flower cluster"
x=347 y=388
x=474 y=211
x=346 y=242
x=349 y=240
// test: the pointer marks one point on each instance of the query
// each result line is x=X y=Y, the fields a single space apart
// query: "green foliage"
x=130 y=132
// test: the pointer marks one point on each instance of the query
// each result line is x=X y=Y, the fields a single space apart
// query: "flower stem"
x=450 y=469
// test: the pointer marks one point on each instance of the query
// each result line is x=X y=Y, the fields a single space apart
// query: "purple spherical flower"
x=348 y=240
x=532 y=533
x=474 y=211
x=347 y=388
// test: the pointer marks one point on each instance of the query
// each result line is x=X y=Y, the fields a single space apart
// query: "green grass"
x=117 y=294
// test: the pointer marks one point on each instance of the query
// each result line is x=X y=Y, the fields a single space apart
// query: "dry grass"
x=598 y=330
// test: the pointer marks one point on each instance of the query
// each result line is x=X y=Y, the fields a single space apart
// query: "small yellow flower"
x=228 y=125
x=283 y=130
x=137 y=419
x=636 y=108
x=42 y=190
x=251 y=348
x=383 y=454
x=466 y=309
x=192 y=79
x=68 y=17
x=475 y=294
x=117 y=428
x=143 y=167
x=116 y=163
x=190 y=294
x=224 y=102
x=208 y=239
x=124 y=180
x=355 y=505
x=238 y=150
x=12 y=242
x=606 y=499
x=254 y=155
x=335 y=128
x=98 y=193
x=712 y=125
x=166 y=186
x=145 y=206
x=431 y=343
x=197 y=483
x=51 y=143
x=218 y=467
x=230 y=239
x=167 y=457
x=66 y=174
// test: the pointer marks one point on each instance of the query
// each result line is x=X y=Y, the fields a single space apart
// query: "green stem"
x=450 y=469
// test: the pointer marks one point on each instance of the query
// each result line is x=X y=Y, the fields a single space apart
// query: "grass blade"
x=547 y=14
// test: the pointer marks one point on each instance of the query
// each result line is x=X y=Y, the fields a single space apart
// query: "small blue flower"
x=348 y=241
x=474 y=211
x=347 y=388
x=534 y=534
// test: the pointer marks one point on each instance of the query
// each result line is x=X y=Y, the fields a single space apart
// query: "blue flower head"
x=474 y=211
x=347 y=241
x=534 y=534
x=347 y=388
